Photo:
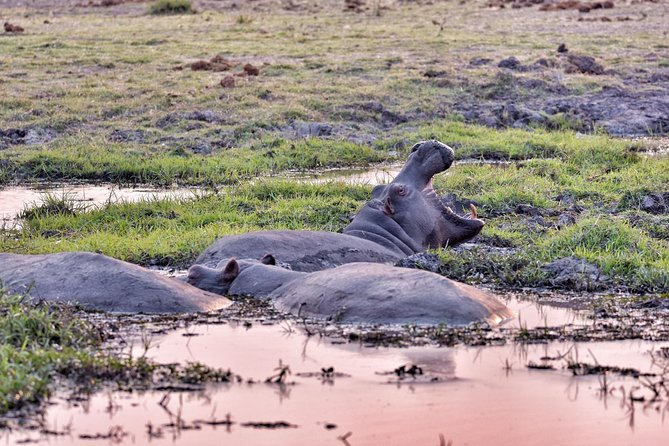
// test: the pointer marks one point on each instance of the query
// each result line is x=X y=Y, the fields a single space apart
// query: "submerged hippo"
x=99 y=282
x=355 y=292
x=402 y=218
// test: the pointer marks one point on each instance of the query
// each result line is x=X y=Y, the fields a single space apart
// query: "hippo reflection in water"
x=403 y=218
x=354 y=293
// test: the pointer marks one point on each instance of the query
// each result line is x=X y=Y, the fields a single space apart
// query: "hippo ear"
x=268 y=259
x=378 y=190
x=230 y=271
x=194 y=272
x=388 y=208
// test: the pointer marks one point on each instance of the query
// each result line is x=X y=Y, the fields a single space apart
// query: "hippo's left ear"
x=378 y=190
x=231 y=271
x=268 y=259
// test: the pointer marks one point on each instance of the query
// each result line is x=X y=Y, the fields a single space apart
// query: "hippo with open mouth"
x=354 y=293
x=98 y=282
x=403 y=218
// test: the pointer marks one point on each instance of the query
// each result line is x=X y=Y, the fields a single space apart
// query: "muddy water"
x=476 y=396
x=14 y=199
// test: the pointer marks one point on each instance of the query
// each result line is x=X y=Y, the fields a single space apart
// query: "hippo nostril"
x=416 y=147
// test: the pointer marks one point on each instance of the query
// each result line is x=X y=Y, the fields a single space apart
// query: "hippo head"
x=427 y=158
x=218 y=280
x=425 y=219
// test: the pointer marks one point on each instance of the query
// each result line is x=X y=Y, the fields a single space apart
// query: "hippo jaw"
x=456 y=229
x=427 y=158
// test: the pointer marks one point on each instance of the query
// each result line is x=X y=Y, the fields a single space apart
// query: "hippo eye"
x=402 y=191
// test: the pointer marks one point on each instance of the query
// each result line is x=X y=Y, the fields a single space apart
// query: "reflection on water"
x=478 y=396
x=530 y=314
x=13 y=200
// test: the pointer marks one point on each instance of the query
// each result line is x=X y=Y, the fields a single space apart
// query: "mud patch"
x=575 y=273
x=28 y=136
x=174 y=119
x=119 y=135
x=521 y=102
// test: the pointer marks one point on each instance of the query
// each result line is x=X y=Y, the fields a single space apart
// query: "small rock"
x=562 y=48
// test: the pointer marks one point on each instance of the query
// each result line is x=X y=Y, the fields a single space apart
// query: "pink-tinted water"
x=476 y=399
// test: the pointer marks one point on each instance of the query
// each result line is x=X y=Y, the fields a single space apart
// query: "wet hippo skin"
x=98 y=282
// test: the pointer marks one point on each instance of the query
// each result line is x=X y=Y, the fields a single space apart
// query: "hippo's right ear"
x=268 y=259
x=231 y=271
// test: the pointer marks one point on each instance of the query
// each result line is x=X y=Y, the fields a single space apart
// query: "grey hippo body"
x=99 y=282
x=356 y=293
x=402 y=218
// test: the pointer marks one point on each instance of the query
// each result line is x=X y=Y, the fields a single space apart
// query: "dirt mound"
x=582 y=64
x=216 y=63
x=13 y=29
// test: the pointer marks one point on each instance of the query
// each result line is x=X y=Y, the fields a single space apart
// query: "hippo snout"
x=427 y=148
x=447 y=154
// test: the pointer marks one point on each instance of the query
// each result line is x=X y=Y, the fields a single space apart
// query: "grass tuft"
x=163 y=7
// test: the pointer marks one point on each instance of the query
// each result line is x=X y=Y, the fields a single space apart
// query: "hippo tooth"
x=473 y=214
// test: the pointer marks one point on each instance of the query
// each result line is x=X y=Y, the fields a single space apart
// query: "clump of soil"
x=251 y=70
x=119 y=135
x=216 y=63
x=110 y=3
x=574 y=4
x=583 y=64
x=423 y=260
x=228 y=82
x=13 y=29
x=656 y=203
x=574 y=273
x=355 y=5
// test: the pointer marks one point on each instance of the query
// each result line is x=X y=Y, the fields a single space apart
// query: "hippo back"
x=303 y=250
x=374 y=293
x=99 y=282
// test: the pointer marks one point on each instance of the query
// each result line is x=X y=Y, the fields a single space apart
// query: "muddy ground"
x=590 y=85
